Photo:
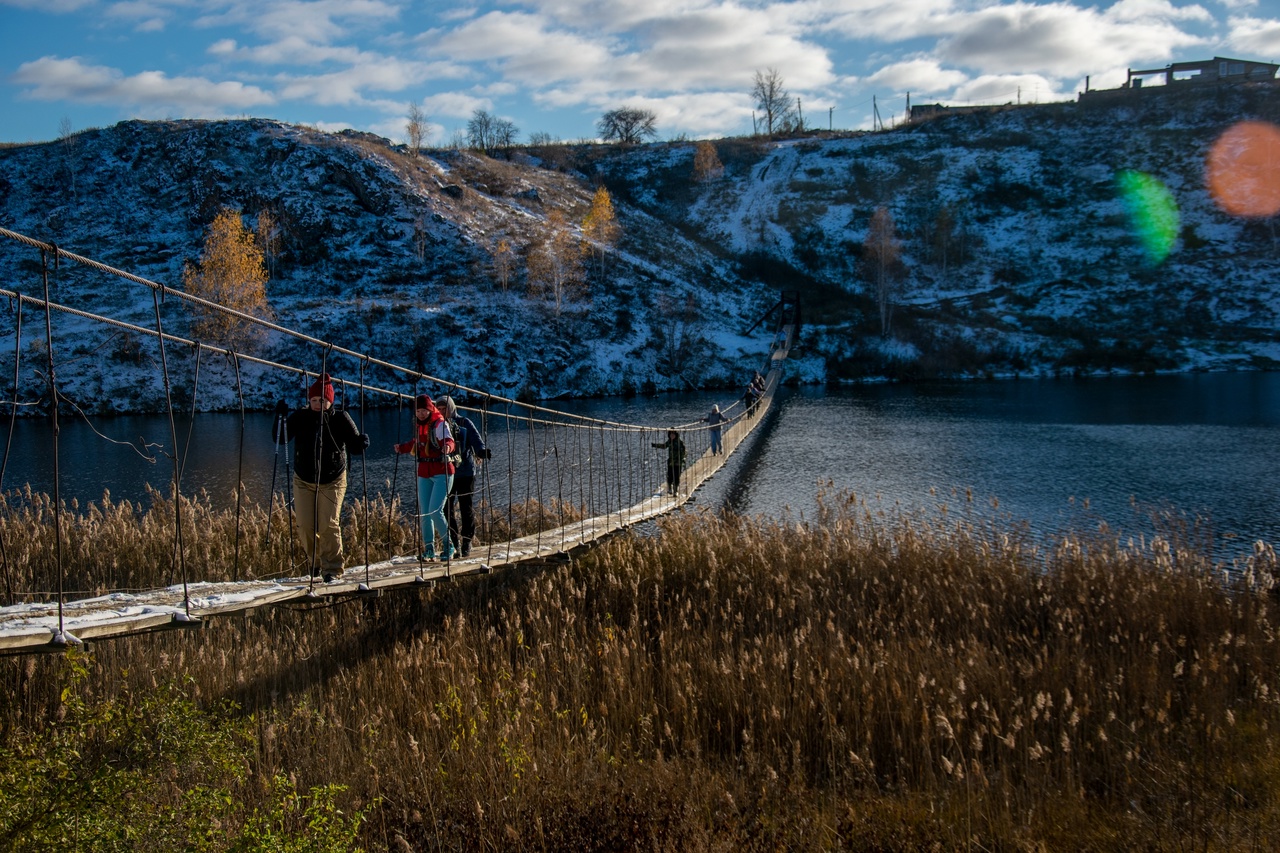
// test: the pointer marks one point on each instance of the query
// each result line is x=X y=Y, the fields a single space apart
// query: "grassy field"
x=860 y=682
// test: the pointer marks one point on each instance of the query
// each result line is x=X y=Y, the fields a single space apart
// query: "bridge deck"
x=36 y=627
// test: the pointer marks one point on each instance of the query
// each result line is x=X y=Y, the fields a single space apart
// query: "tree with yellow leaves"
x=230 y=273
x=706 y=163
x=600 y=229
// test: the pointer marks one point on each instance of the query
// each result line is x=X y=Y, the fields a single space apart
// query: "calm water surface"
x=1055 y=454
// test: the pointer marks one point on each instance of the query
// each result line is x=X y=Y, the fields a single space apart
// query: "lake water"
x=1054 y=454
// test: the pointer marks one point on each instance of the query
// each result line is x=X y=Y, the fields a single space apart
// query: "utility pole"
x=830 y=112
x=907 y=115
x=875 y=115
x=800 y=112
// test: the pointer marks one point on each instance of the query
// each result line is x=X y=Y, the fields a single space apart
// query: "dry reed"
x=862 y=683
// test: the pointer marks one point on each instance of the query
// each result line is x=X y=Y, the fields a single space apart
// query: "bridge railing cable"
x=614 y=467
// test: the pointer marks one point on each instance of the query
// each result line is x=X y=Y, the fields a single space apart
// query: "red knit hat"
x=322 y=387
x=422 y=401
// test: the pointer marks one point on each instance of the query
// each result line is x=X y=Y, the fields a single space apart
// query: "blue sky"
x=553 y=66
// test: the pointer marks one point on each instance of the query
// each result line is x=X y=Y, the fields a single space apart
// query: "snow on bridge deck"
x=37 y=627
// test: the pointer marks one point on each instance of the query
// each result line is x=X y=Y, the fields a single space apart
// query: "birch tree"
x=706 y=163
x=555 y=264
x=230 y=273
x=600 y=228
x=416 y=128
x=881 y=254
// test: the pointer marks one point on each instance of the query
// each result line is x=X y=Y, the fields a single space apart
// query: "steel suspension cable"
x=364 y=477
x=57 y=474
x=8 y=446
x=166 y=291
x=177 y=468
x=235 y=564
x=195 y=396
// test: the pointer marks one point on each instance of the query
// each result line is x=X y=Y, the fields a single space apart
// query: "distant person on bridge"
x=675 y=459
x=754 y=393
x=715 y=419
x=470 y=448
x=323 y=438
x=433 y=446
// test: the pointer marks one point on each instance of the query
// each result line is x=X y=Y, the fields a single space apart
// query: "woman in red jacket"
x=432 y=446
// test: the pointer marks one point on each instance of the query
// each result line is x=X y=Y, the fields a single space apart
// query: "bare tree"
x=771 y=98
x=480 y=130
x=416 y=128
x=486 y=132
x=505 y=133
x=555 y=264
x=881 y=256
x=627 y=125
x=267 y=236
x=67 y=136
x=681 y=334
x=504 y=262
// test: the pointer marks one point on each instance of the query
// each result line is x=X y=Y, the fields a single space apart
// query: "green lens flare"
x=1152 y=212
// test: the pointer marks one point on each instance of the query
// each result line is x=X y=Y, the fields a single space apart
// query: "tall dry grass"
x=862 y=682
x=120 y=546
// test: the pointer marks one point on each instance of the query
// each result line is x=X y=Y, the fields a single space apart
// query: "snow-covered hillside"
x=1018 y=252
x=382 y=253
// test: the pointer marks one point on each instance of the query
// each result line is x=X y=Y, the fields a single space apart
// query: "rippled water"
x=1055 y=454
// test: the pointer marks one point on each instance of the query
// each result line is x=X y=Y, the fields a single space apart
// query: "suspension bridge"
x=562 y=481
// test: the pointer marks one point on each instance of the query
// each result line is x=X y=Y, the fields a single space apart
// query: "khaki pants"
x=317 y=510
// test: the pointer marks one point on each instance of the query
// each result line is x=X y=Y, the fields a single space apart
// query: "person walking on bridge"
x=715 y=419
x=323 y=438
x=470 y=450
x=675 y=459
x=433 y=446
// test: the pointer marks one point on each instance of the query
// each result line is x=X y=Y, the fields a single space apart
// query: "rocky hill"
x=1019 y=252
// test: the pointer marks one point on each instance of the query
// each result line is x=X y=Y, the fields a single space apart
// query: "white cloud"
x=320 y=21
x=923 y=76
x=455 y=104
x=57 y=7
x=1066 y=41
x=1009 y=89
x=141 y=11
x=54 y=79
x=1255 y=36
x=347 y=86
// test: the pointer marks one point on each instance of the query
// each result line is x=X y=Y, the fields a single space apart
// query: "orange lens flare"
x=1243 y=171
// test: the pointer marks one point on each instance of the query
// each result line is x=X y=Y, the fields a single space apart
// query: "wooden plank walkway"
x=32 y=628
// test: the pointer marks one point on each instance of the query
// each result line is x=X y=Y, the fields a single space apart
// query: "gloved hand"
x=282 y=408
x=364 y=441
x=484 y=454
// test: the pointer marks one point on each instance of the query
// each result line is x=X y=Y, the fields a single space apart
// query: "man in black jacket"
x=322 y=437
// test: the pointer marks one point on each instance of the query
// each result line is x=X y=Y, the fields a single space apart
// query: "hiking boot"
x=448 y=553
x=330 y=577
x=428 y=556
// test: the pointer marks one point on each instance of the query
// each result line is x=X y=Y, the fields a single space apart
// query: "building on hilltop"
x=1220 y=69
x=1186 y=76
